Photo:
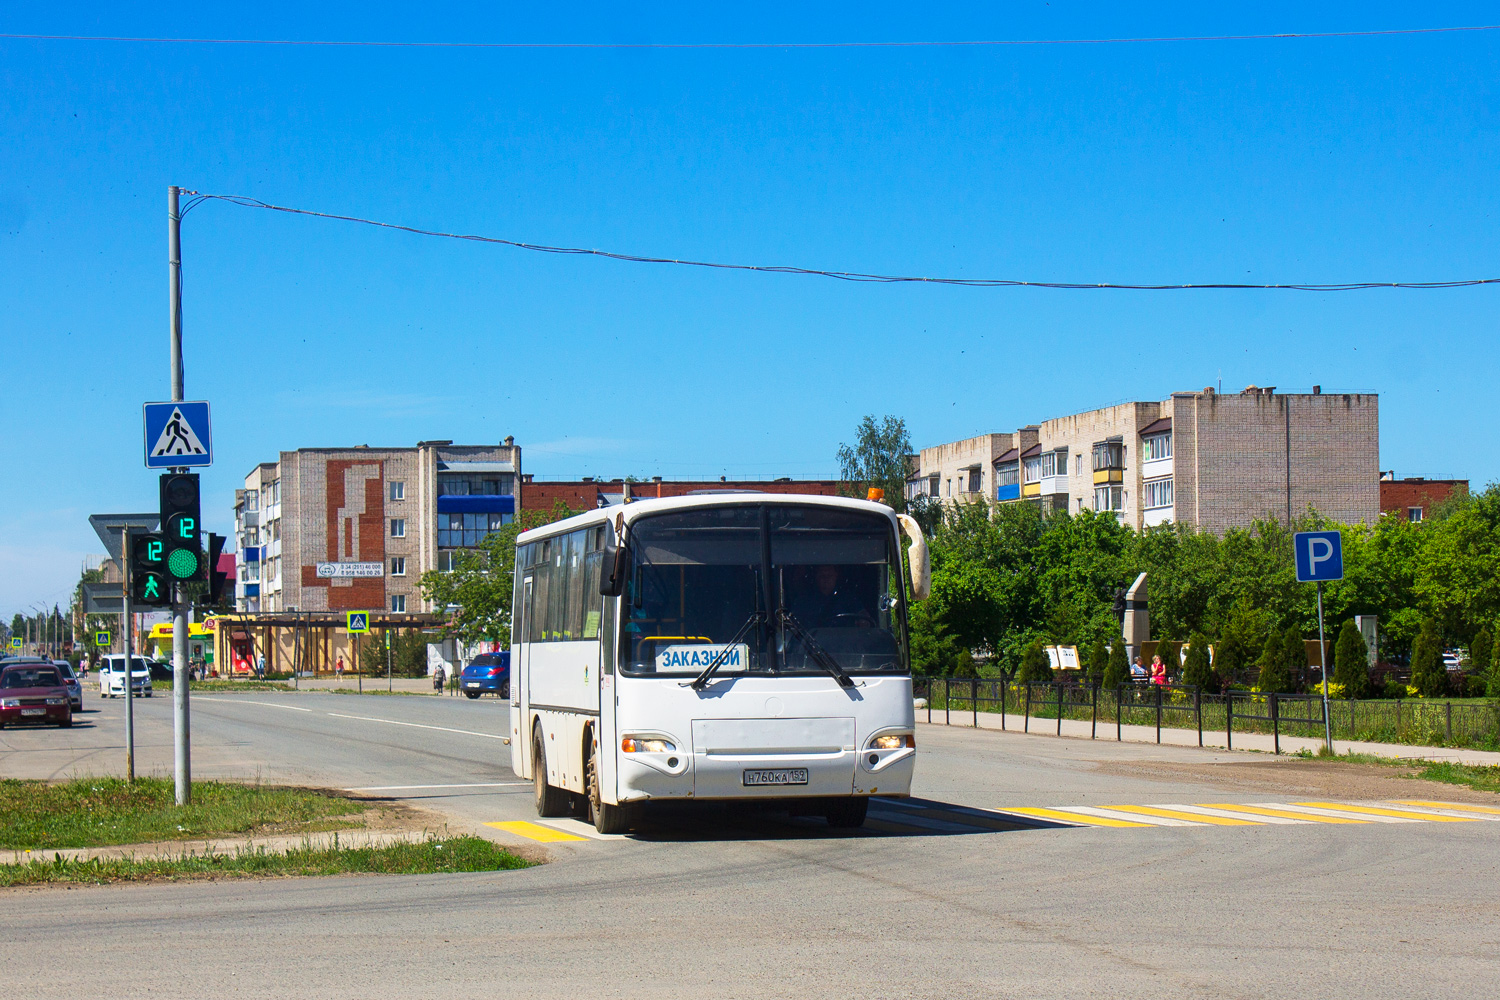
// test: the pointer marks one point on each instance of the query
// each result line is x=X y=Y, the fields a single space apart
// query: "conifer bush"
x=1117 y=670
x=1428 y=675
x=1351 y=662
x=1293 y=656
x=1098 y=660
x=1273 y=672
x=1035 y=667
x=1197 y=669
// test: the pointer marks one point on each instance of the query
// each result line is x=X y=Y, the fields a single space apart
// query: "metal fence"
x=1427 y=722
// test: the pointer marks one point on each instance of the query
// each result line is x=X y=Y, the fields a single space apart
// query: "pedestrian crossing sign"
x=15 y=642
x=178 y=435
x=101 y=638
x=358 y=621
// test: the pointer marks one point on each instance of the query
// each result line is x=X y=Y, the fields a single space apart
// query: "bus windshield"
x=763 y=588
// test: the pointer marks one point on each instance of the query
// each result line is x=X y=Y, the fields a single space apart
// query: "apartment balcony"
x=1009 y=491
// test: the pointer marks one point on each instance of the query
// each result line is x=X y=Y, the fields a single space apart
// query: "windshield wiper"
x=817 y=652
x=756 y=618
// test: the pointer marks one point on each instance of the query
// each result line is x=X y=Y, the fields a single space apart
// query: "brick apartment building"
x=332 y=529
x=1414 y=496
x=1203 y=458
x=588 y=493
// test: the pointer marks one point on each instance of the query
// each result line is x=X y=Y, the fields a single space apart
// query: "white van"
x=112 y=676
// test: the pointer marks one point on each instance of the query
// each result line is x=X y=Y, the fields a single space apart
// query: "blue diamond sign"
x=178 y=435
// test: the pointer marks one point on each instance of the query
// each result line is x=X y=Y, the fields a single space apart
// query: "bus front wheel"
x=550 y=801
x=847 y=814
x=605 y=817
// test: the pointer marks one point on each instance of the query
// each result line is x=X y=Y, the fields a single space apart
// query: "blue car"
x=487 y=672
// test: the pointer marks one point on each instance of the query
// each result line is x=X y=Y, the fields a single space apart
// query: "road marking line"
x=534 y=831
x=1338 y=811
x=1295 y=817
x=1449 y=805
x=418 y=725
x=1167 y=812
x=1437 y=813
x=1134 y=817
x=242 y=701
x=1076 y=819
x=1402 y=813
x=402 y=788
x=1214 y=809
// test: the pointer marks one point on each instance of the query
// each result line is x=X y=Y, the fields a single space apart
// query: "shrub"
x=1394 y=688
x=1098 y=660
x=963 y=665
x=1428 y=675
x=1229 y=656
x=1171 y=655
x=1351 y=661
x=1117 y=670
x=1273 y=672
x=1197 y=670
x=1035 y=667
x=1293 y=656
x=1481 y=651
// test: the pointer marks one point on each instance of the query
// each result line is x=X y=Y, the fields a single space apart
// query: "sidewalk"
x=1259 y=742
x=229 y=845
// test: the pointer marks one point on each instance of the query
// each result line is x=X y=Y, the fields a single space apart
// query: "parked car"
x=487 y=672
x=33 y=693
x=71 y=682
x=112 y=676
x=1453 y=661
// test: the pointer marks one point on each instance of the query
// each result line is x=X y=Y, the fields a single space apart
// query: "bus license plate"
x=776 y=776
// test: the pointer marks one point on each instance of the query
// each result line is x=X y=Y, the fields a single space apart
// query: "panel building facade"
x=336 y=529
x=1207 y=459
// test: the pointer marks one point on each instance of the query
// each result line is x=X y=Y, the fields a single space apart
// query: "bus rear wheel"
x=550 y=801
x=605 y=817
x=847 y=814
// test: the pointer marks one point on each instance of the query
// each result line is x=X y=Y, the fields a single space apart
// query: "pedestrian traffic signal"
x=180 y=526
x=148 y=570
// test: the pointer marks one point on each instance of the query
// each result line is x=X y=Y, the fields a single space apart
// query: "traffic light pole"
x=125 y=638
x=182 y=749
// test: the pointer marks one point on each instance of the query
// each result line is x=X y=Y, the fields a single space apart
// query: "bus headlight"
x=893 y=742
x=646 y=744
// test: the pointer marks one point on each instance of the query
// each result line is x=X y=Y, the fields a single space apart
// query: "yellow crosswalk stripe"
x=1178 y=814
x=1285 y=814
x=1460 y=807
x=1071 y=817
x=1398 y=813
x=534 y=831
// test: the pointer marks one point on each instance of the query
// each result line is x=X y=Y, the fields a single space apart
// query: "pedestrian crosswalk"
x=924 y=817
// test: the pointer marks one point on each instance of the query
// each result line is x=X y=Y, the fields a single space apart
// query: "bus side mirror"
x=612 y=568
x=921 y=564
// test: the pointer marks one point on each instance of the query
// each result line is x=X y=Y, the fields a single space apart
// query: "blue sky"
x=1283 y=160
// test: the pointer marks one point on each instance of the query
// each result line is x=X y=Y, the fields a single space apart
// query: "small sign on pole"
x=102 y=638
x=177 y=435
x=1320 y=559
x=15 y=642
x=358 y=622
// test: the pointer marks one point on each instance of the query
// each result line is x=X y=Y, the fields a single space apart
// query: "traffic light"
x=215 y=578
x=180 y=526
x=148 y=570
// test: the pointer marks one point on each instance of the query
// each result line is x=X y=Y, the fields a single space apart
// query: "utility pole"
x=182 y=755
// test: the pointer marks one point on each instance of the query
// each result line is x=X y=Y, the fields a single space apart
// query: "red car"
x=34 y=693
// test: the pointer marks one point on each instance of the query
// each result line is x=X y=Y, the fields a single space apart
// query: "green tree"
x=1197 y=669
x=1117 y=671
x=1273 y=672
x=1428 y=675
x=1229 y=657
x=1351 y=662
x=1035 y=667
x=1480 y=651
x=1293 y=655
x=878 y=458
x=1098 y=661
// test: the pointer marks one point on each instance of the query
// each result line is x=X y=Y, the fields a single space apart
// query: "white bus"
x=715 y=647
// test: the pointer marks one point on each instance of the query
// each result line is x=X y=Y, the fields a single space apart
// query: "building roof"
x=1009 y=456
x=1157 y=426
x=1032 y=452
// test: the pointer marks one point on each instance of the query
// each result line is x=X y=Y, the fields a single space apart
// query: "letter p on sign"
x=1320 y=556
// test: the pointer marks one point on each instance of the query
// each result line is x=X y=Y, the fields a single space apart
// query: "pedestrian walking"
x=260 y=666
x=338 y=669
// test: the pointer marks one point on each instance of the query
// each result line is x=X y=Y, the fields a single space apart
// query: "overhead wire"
x=856 y=276
x=958 y=43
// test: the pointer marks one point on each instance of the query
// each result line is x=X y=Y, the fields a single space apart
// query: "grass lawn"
x=1479 y=777
x=452 y=854
x=94 y=812
x=224 y=684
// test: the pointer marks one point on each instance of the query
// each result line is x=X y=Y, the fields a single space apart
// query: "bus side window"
x=607 y=636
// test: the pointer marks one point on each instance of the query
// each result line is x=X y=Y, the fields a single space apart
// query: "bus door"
x=609 y=734
x=520 y=684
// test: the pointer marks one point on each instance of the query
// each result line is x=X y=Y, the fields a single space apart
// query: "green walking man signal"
x=148 y=580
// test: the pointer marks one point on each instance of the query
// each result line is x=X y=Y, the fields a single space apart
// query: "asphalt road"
x=933 y=901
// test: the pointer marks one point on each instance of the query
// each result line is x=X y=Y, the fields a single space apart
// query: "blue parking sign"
x=1320 y=556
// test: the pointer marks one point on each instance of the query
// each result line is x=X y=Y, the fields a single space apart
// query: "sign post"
x=1320 y=559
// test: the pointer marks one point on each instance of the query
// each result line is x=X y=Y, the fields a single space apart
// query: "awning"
x=475 y=467
x=1157 y=427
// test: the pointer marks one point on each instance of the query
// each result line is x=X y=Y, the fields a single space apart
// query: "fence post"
x=1060 y=701
x=1094 y=710
x=1158 y=711
x=1198 y=710
x=1448 y=722
x=1228 y=719
x=947 y=702
x=974 y=699
x=1275 y=724
x=929 y=701
x=1026 y=726
x=1398 y=720
x=1004 y=689
x=1119 y=711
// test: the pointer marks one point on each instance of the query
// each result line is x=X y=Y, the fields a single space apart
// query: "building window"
x=273 y=495
x=1007 y=474
x=948 y=487
x=1414 y=514
x=398 y=490
x=1109 y=498
x=398 y=527
x=1155 y=447
x=398 y=566
x=976 y=481
x=398 y=603
x=483 y=484
x=1078 y=470
x=1158 y=493
x=932 y=486
x=252 y=500
x=1054 y=463
x=1109 y=455
x=1033 y=469
x=468 y=530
